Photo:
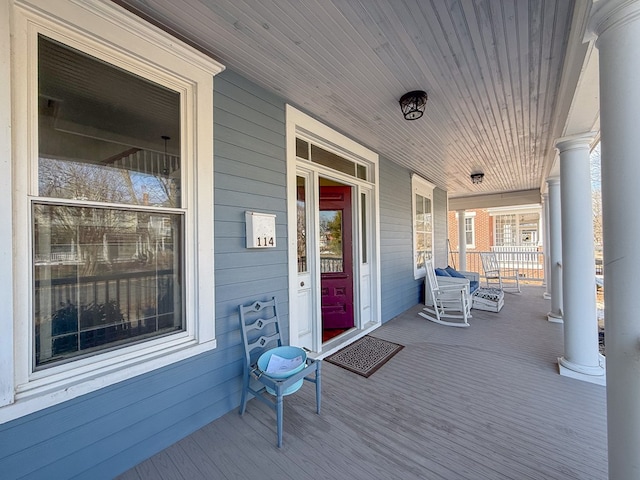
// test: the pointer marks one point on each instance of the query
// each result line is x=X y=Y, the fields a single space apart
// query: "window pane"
x=302 y=225
x=506 y=230
x=468 y=226
x=427 y=216
x=362 y=172
x=419 y=220
x=331 y=241
x=105 y=134
x=331 y=160
x=423 y=228
x=302 y=149
x=103 y=278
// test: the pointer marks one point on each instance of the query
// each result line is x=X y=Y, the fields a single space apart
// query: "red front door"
x=336 y=258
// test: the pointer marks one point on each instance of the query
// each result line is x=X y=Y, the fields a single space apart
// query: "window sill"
x=41 y=393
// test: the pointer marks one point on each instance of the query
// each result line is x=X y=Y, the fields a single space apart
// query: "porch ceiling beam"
x=521 y=197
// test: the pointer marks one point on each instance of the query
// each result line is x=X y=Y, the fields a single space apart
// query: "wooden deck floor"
x=484 y=402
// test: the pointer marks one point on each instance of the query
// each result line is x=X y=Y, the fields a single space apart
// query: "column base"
x=596 y=375
x=555 y=317
x=546 y=296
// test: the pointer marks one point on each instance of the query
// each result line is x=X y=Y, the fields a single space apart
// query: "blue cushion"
x=473 y=286
x=441 y=272
x=454 y=273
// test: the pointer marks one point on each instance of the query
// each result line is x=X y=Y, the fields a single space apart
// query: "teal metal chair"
x=260 y=326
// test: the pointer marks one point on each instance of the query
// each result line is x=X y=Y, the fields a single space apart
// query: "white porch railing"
x=528 y=262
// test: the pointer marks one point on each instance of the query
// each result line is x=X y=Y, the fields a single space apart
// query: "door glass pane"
x=363 y=214
x=331 y=258
x=103 y=278
x=105 y=135
x=301 y=207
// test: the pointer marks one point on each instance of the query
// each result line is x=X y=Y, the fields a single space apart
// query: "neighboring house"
x=514 y=232
x=133 y=172
x=488 y=228
x=478 y=230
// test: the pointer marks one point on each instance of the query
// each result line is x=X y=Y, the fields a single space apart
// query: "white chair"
x=446 y=301
x=495 y=277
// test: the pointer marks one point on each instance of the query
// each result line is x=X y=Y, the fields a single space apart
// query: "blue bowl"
x=284 y=352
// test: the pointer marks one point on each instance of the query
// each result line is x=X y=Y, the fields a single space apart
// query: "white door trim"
x=300 y=124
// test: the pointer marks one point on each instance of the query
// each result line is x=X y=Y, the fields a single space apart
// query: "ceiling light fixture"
x=413 y=104
x=477 y=178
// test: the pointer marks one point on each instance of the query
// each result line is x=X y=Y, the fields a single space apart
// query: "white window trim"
x=422 y=187
x=514 y=209
x=109 y=32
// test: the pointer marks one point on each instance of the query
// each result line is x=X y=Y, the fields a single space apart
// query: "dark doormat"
x=365 y=355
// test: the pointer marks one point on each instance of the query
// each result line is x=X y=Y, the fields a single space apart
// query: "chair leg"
x=279 y=417
x=245 y=387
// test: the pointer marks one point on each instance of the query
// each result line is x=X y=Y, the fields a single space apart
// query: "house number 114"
x=265 y=241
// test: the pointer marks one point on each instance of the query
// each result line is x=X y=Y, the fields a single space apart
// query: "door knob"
x=302 y=284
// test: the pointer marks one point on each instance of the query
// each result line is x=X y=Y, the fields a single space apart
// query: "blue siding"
x=103 y=433
x=400 y=290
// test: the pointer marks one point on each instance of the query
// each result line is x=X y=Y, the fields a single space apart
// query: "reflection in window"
x=301 y=207
x=363 y=215
x=423 y=229
x=103 y=277
x=104 y=134
x=331 y=256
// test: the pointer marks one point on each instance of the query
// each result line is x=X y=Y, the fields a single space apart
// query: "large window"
x=517 y=229
x=422 y=224
x=113 y=193
x=107 y=272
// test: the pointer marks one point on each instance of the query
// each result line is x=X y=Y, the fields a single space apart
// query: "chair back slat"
x=260 y=327
x=263 y=341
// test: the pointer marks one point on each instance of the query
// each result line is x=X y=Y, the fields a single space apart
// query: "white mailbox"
x=261 y=230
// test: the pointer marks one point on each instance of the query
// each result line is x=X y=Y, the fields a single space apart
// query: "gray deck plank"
x=193 y=453
x=479 y=403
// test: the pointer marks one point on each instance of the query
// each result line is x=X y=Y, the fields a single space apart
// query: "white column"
x=581 y=357
x=545 y=246
x=555 y=250
x=462 y=241
x=617 y=25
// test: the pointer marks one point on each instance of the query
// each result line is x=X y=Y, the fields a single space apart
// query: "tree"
x=91 y=229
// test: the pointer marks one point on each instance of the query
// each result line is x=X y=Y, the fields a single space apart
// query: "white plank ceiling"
x=494 y=71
